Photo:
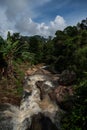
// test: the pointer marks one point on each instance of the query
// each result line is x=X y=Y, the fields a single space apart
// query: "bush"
x=77 y=118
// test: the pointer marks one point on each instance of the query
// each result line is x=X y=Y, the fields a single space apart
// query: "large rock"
x=62 y=93
x=40 y=122
x=64 y=97
x=67 y=77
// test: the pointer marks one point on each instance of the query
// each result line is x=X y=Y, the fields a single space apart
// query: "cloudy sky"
x=40 y=17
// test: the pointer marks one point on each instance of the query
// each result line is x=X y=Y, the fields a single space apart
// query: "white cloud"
x=58 y=24
x=29 y=27
x=5 y=25
x=17 y=15
x=14 y=8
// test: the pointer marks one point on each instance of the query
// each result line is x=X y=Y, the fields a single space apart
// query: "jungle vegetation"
x=66 y=51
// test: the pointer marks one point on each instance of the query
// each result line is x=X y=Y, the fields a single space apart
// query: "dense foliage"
x=66 y=51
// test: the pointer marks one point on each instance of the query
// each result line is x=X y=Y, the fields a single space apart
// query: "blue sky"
x=40 y=17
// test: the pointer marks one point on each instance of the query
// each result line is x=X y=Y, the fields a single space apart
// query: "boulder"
x=40 y=122
x=67 y=77
x=62 y=93
x=64 y=96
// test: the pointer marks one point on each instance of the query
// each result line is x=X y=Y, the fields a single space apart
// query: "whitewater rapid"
x=20 y=118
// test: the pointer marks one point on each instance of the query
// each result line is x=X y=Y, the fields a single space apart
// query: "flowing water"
x=20 y=118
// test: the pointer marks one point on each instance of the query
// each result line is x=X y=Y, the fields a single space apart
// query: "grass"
x=13 y=86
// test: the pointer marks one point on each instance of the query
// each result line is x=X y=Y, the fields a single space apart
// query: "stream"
x=36 y=111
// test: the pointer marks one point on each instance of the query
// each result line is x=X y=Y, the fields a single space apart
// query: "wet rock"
x=5 y=120
x=64 y=96
x=39 y=85
x=67 y=77
x=52 y=96
x=40 y=122
x=63 y=91
x=45 y=87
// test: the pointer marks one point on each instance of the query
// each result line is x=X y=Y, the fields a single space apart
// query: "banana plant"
x=8 y=49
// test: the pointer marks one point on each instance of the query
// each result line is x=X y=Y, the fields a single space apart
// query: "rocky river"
x=41 y=106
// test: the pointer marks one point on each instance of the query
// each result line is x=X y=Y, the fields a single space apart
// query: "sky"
x=40 y=17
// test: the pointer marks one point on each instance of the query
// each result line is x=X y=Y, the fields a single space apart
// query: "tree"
x=11 y=51
x=82 y=25
x=8 y=50
x=84 y=37
x=36 y=44
x=71 y=31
